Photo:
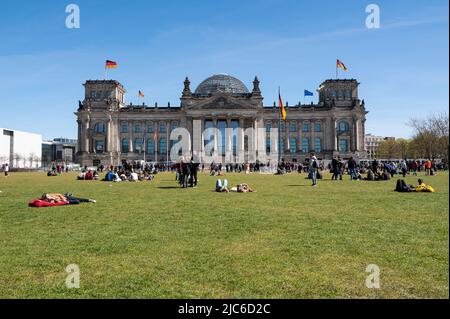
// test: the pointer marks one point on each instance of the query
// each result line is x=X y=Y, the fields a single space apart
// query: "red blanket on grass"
x=42 y=203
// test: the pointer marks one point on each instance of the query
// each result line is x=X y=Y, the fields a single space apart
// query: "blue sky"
x=403 y=66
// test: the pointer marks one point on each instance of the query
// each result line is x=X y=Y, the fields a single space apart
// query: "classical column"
x=287 y=144
x=353 y=136
x=216 y=139
x=80 y=140
x=131 y=141
x=86 y=135
x=334 y=127
x=108 y=144
x=313 y=134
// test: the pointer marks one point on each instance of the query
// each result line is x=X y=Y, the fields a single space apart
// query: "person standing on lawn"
x=6 y=169
x=352 y=168
x=313 y=167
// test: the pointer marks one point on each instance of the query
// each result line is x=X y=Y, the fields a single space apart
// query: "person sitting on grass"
x=89 y=176
x=81 y=176
x=370 y=175
x=110 y=176
x=51 y=173
x=222 y=187
x=134 y=177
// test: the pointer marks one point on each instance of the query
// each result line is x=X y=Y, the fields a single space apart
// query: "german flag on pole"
x=341 y=65
x=282 y=109
x=110 y=64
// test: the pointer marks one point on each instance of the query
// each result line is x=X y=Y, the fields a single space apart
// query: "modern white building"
x=372 y=143
x=20 y=149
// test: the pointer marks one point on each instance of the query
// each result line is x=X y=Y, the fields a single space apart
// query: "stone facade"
x=110 y=131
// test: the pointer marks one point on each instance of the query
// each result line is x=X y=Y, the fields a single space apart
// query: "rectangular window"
x=124 y=128
x=305 y=127
x=137 y=128
x=268 y=145
x=99 y=146
x=150 y=128
x=174 y=126
x=162 y=128
x=343 y=145
x=305 y=145
x=125 y=146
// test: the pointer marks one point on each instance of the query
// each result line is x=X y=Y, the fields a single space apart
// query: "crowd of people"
x=187 y=173
x=125 y=172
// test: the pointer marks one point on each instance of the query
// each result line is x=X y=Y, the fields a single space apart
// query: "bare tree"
x=17 y=158
x=431 y=136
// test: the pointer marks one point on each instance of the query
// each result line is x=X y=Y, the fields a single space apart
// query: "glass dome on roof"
x=221 y=83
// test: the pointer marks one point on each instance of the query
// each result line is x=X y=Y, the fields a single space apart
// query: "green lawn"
x=288 y=240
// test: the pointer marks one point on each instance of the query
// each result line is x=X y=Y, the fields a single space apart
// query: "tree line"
x=430 y=140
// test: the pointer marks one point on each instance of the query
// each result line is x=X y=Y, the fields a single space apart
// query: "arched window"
x=100 y=128
x=293 y=127
x=305 y=127
x=162 y=146
x=305 y=145
x=150 y=146
x=138 y=145
x=318 y=145
x=293 y=142
x=125 y=145
x=343 y=127
x=318 y=127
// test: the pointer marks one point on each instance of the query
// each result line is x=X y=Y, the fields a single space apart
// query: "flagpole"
x=279 y=127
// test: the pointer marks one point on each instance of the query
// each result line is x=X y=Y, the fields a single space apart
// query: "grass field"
x=288 y=240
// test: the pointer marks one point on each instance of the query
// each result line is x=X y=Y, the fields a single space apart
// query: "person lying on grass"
x=48 y=200
x=222 y=187
x=422 y=187
x=402 y=187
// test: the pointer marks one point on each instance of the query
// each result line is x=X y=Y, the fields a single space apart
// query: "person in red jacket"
x=89 y=176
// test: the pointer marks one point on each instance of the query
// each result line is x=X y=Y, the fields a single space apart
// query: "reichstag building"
x=110 y=131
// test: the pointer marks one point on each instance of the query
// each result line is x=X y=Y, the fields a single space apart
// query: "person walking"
x=313 y=167
x=352 y=168
x=335 y=168
x=6 y=170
